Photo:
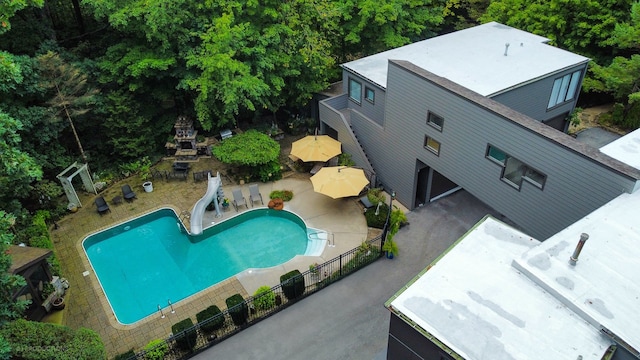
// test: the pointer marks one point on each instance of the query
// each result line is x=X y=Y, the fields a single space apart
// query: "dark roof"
x=522 y=120
x=23 y=257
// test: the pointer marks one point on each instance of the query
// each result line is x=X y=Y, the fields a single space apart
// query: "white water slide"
x=198 y=209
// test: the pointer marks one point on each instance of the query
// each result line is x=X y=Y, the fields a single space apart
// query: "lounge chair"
x=238 y=199
x=255 y=194
x=127 y=193
x=101 y=203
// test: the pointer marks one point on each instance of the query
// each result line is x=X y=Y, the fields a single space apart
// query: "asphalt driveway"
x=348 y=320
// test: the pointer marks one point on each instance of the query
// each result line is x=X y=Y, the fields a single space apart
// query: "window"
x=432 y=145
x=369 y=95
x=564 y=89
x=435 y=121
x=495 y=154
x=355 y=91
x=515 y=171
x=534 y=177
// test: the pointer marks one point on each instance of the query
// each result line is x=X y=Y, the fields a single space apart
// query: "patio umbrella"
x=339 y=181
x=316 y=148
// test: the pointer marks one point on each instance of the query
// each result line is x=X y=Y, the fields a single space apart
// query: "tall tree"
x=10 y=8
x=621 y=77
x=10 y=309
x=364 y=27
x=582 y=26
x=17 y=168
x=71 y=94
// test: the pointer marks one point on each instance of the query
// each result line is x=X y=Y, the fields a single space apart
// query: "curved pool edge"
x=238 y=276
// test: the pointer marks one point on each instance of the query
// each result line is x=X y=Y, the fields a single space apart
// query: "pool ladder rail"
x=162 y=315
x=331 y=243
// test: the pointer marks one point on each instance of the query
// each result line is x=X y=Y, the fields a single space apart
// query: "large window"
x=369 y=95
x=355 y=91
x=432 y=145
x=435 y=121
x=564 y=89
x=515 y=171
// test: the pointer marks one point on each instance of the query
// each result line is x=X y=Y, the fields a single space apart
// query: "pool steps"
x=317 y=240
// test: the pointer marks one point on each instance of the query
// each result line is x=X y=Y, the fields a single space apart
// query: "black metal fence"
x=213 y=330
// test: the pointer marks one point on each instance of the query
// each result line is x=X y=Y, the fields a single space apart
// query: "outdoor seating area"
x=102 y=205
x=128 y=193
x=255 y=194
x=238 y=199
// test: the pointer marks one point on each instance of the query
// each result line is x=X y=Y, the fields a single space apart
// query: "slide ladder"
x=214 y=184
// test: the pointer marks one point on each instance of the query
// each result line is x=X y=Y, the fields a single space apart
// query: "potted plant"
x=397 y=219
x=391 y=248
x=145 y=174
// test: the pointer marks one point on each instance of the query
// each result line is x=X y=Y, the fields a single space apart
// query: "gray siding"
x=375 y=111
x=532 y=99
x=576 y=184
x=331 y=116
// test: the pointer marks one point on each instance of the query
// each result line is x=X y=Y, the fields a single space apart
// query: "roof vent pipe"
x=574 y=258
x=506 y=48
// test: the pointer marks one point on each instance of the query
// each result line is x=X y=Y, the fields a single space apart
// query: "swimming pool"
x=152 y=260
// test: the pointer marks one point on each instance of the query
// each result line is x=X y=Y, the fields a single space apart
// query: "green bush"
x=264 y=298
x=292 y=284
x=376 y=221
x=156 y=350
x=207 y=314
x=125 y=355
x=285 y=195
x=375 y=196
x=32 y=340
x=237 y=309
x=186 y=340
x=269 y=172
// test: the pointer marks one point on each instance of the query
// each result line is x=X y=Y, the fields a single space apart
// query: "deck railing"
x=193 y=340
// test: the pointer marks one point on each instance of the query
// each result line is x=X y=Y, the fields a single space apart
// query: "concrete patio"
x=86 y=304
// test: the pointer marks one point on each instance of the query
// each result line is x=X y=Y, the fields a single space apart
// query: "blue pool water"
x=151 y=260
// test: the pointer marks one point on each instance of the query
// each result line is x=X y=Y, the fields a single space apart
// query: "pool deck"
x=86 y=304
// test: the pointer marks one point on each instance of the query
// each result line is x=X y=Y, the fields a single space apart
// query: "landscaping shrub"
x=125 y=355
x=264 y=298
x=292 y=284
x=156 y=350
x=32 y=340
x=285 y=195
x=375 y=196
x=208 y=313
x=376 y=221
x=237 y=309
x=186 y=340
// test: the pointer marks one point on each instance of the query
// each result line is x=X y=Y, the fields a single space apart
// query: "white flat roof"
x=474 y=58
x=604 y=286
x=625 y=149
x=481 y=307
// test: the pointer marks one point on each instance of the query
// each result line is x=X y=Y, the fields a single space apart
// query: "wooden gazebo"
x=31 y=263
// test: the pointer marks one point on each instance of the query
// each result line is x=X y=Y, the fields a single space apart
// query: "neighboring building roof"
x=478 y=305
x=22 y=257
x=604 y=286
x=475 y=58
x=625 y=149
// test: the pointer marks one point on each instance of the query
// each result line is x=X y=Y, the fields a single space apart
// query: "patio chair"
x=127 y=193
x=102 y=206
x=238 y=199
x=255 y=194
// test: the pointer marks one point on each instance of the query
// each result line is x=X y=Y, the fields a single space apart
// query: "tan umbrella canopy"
x=316 y=148
x=339 y=181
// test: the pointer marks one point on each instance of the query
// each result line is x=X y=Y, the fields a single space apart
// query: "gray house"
x=484 y=109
